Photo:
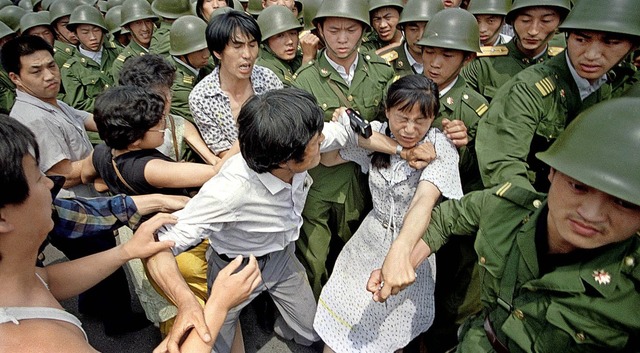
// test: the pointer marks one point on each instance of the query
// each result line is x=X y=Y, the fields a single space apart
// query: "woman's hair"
x=150 y=71
x=16 y=141
x=227 y=25
x=124 y=114
x=404 y=94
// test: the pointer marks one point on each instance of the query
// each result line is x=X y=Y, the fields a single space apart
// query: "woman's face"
x=409 y=126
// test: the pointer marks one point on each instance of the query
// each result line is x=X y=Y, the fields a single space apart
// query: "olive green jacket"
x=397 y=58
x=133 y=49
x=7 y=92
x=487 y=74
x=525 y=117
x=284 y=70
x=586 y=305
x=183 y=83
x=62 y=52
x=160 y=43
x=84 y=79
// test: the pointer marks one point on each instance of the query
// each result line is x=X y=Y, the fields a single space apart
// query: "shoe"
x=265 y=311
x=131 y=322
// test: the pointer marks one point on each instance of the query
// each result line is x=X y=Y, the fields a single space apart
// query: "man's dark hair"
x=16 y=141
x=276 y=127
x=124 y=114
x=200 y=3
x=150 y=71
x=18 y=47
x=226 y=26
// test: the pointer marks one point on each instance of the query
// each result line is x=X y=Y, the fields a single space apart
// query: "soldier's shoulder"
x=518 y=195
x=70 y=62
x=390 y=55
x=491 y=51
x=475 y=101
x=306 y=70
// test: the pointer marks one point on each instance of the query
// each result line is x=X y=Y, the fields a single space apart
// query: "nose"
x=592 y=207
x=534 y=28
x=409 y=128
x=593 y=51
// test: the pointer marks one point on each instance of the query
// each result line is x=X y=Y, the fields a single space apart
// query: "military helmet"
x=113 y=18
x=237 y=5
x=489 y=7
x=420 y=10
x=276 y=19
x=86 y=15
x=26 y=4
x=5 y=30
x=46 y=4
x=4 y=3
x=171 y=9
x=134 y=10
x=35 y=3
x=113 y=3
x=87 y=2
x=102 y=6
x=622 y=16
x=452 y=28
x=376 y=4
x=34 y=19
x=61 y=8
x=255 y=7
x=187 y=35
x=11 y=16
x=309 y=10
x=563 y=6
x=357 y=10
x=595 y=149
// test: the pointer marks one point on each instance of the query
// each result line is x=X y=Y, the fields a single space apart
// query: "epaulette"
x=121 y=58
x=545 y=86
x=390 y=56
x=499 y=50
x=303 y=67
x=474 y=102
x=553 y=51
x=188 y=80
x=519 y=195
x=110 y=44
x=66 y=65
x=374 y=58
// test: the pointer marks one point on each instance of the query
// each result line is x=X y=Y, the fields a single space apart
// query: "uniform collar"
x=585 y=87
x=341 y=70
x=196 y=72
x=417 y=67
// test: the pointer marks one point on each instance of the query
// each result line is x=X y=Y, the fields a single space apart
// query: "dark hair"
x=21 y=46
x=199 y=4
x=147 y=71
x=16 y=141
x=404 y=94
x=223 y=30
x=124 y=114
x=277 y=126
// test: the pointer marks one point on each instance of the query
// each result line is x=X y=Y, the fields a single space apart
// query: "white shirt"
x=444 y=91
x=584 y=86
x=347 y=77
x=242 y=212
x=417 y=66
x=93 y=55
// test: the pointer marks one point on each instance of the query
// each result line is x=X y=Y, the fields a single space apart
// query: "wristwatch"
x=399 y=149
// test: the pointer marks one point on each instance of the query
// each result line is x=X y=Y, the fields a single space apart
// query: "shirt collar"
x=192 y=69
x=584 y=86
x=275 y=184
x=341 y=69
x=93 y=55
x=417 y=66
x=448 y=88
x=29 y=99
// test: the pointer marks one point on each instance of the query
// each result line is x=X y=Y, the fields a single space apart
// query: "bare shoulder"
x=42 y=335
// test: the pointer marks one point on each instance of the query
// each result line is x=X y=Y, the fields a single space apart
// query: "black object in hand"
x=358 y=124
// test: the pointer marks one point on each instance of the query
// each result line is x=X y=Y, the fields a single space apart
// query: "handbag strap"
x=174 y=137
x=338 y=93
x=115 y=168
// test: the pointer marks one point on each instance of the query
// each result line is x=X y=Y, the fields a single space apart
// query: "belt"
x=492 y=337
x=226 y=258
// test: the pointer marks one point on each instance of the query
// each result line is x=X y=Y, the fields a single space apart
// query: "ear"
x=5 y=225
x=135 y=145
x=217 y=55
x=15 y=79
x=468 y=58
x=552 y=173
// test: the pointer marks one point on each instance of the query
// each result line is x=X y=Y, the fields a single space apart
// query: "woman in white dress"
x=348 y=319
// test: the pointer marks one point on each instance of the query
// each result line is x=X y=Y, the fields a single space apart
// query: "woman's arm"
x=193 y=138
x=165 y=174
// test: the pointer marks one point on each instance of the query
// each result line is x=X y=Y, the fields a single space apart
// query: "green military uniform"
x=371 y=42
x=63 y=52
x=7 y=92
x=497 y=65
x=397 y=58
x=284 y=70
x=534 y=305
x=84 y=79
x=338 y=197
x=526 y=116
x=131 y=50
x=183 y=83
x=160 y=39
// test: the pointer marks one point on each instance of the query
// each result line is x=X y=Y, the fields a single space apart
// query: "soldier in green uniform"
x=86 y=74
x=138 y=19
x=189 y=54
x=339 y=77
x=7 y=87
x=65 y=44
x=11 y=16
x=535 y=22
x=491 y=18
x=383 y=16
x=560 y=272
x=279 y=48
x=532 y=109
x=406 y=59
x=168 y=11
x=117 y=34
x=37 y=24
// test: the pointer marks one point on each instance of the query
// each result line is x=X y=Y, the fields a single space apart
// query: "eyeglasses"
x=162 y=131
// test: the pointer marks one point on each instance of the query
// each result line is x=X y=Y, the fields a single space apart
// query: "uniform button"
x=465 y=96
x=629 y=261
x=580 y=336
x=350 y=98
x=106 y=86
x=525 y=220
x=368 y=57
x=518 y=314
x=537 y=203
x=483 y=260
x=324 y=106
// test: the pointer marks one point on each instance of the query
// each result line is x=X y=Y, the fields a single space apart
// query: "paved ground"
x=256 y=341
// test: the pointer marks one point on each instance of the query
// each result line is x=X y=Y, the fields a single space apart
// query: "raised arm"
x=165 y=174
x=193 y=138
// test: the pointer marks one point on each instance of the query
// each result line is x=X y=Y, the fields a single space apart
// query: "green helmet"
x=61 y=8
x=255 y=7
x=11 y=16
x=420 y=10
x=276 y=19
x=113 y=18
x=46 y=4
x=102 y=6
x=4 y=3
x=5 y=30
x=171 y=9
x=376 y=4
x=596 y=148
x=489 y=7
x=452 y=28
x=134 y=10
x=563 y=6
x=86 y=15
x=357 y=10
x=309 y=10
x=220 y=11
x=87 y=2
x=187 y=35
x=113 y=3
x=34 y=19
x=237 y=5
x=622 y=16
x=25 y=4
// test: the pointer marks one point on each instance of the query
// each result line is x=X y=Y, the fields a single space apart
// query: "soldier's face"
x=208 y=6
x=490 y=26
x=409 y=126
x=64 y=34
x=238 y=57
x=342 y=37
x=412 y=33
x=39 y=76
x=141 y=31
x=284 y=45
x=534 y=27
x=385 y=22
x=582 y=217
x=200 y=58
x=593 y=54
x=90 y=37
x=451 y=3
x=43 y=32
x=443 y=65
x=287 y=3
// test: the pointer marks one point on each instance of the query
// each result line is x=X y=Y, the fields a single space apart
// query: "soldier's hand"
x=309 y=44
x=456 y=131
x=420 y=156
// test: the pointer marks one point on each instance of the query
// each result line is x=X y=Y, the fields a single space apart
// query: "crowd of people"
x=309 y=158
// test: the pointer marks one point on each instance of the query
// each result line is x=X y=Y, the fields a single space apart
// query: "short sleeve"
x=360 y=155
x=443 y=172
